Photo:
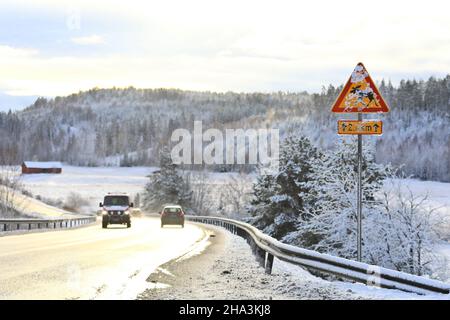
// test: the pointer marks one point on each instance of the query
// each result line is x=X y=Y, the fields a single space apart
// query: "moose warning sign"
x=360 y=127
x=360 y=94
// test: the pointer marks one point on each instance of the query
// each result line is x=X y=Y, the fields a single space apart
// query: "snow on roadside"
x=33 y=208
x=38 y=209
x=233 y=273
x=299 y=277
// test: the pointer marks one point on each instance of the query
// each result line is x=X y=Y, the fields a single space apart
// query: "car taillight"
x=181 y=213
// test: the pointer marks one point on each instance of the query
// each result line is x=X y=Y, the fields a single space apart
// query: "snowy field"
x=92 y=183
x=438 y=198
x=438 y=194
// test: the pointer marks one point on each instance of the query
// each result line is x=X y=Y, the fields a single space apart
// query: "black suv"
x=116 y=209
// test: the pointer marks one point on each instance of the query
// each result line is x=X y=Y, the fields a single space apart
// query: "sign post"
x=359 y=95
x=359 y=197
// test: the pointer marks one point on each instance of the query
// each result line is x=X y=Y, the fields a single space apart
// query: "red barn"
x=41 y=167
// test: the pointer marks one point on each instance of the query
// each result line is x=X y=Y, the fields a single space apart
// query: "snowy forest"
x=129 y=126
x=310 y=202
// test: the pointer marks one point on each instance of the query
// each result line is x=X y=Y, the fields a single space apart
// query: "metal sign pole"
x=359 y=196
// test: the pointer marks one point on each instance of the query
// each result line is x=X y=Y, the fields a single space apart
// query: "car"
x=116 y=209
x=172 y=215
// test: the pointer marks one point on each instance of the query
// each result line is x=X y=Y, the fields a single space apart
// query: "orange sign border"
x=362 y=121
x=382 y=109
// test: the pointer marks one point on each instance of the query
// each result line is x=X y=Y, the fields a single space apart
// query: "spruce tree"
x=166 y=185
x=278 y=202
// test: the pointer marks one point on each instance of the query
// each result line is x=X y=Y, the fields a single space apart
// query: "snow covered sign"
x=360 y=127
x=360 y=94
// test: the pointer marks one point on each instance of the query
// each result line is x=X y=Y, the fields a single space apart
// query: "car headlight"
x=126 y=212
x=104 y=212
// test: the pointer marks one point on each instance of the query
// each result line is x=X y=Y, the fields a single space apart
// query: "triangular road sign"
x=360 y=94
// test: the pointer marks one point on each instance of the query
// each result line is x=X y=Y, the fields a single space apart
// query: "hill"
x=131 y=125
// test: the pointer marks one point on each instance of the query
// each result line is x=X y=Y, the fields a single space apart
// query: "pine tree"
x=263 y=208
x=278 y=202
x=166 y=185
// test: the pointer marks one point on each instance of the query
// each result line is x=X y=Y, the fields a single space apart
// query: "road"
x=91 y=262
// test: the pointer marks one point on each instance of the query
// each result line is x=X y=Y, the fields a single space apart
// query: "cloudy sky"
x=51 y=48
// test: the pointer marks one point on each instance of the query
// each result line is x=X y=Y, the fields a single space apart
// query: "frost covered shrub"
x=74 y=202
x=59 y=203
x=405 y=235
x=10 y=188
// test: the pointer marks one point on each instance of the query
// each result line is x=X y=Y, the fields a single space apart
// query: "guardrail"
x=266 y=248
x=30 y=224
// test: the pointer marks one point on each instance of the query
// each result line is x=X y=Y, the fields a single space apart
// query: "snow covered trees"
x=311 y=203
x=201 y=198
x=166 y=185
x=278 y=202
x=330 y=215
x=398 y=232
x=11 y=203
x=234 y=196
x=406 y=231
x=90 y=127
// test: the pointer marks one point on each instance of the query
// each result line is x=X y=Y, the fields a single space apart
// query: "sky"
x=54 y=48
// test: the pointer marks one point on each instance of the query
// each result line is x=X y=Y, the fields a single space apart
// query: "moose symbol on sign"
x=366 y=93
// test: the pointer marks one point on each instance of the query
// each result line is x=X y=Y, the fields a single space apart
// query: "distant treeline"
x=131 y=125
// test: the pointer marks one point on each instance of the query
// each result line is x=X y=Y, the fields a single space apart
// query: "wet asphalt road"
x=90 y=262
